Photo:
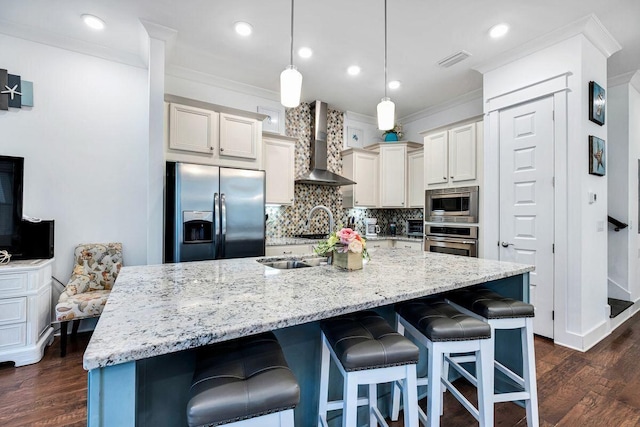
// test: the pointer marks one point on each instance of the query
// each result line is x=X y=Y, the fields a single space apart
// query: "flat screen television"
x=11 y=184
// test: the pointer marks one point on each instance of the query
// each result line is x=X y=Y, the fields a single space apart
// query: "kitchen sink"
x=287 y=264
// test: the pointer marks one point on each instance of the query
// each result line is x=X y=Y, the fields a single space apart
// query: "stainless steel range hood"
x=318 y=174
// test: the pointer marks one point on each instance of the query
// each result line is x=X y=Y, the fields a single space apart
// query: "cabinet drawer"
x=13 y=310
x=288 y=250
x=12 y=284
x=414 y=246
x=12 y=336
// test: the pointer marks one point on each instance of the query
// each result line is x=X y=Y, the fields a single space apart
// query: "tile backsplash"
x=284 y=221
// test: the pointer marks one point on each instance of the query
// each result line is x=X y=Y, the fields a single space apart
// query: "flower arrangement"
x=343 y=241
x=397 y=129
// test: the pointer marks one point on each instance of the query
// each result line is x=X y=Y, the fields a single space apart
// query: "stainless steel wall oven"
x=451 y=239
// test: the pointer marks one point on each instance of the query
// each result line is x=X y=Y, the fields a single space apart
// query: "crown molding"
x=632 y=78
x=213 y=80
x=358 y=117
x=589 y=26
x=37 y=35
x=462 y=99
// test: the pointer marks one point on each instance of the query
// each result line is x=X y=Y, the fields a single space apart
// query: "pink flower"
x=355 y=246
x=346 y=235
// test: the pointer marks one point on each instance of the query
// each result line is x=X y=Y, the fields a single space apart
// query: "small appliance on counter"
x=372 y=228
x=393 y=228
x=414 y=227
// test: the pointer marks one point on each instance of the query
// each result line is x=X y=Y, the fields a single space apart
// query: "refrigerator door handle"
x=223 y=227
x=216 y=224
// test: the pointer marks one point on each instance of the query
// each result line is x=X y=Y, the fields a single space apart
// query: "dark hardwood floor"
x=599 y=388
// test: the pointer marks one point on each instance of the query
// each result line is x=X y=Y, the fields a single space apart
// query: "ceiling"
x=341 y=33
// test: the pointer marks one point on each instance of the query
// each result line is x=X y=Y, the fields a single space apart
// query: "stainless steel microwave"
x=452 y=205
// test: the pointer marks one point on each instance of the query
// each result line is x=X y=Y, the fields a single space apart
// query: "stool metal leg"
x=529 y=373
x=350 y=395
x=324 y=384
x=434 y=389
x=485 y=376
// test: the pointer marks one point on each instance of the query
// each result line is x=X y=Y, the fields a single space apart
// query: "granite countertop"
x=161 y=309
x=283 y=241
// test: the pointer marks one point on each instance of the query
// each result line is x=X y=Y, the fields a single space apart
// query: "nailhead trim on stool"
x=242 y=383
x=442 y=330
x=505 y=313
x=367 y=351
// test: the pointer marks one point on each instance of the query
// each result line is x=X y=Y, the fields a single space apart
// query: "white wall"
x=442 y=116
x=85 y=147
x=580 y=297
x=623 y=103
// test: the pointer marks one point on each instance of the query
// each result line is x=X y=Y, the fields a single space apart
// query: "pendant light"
x=386 y=108
x=290 y=79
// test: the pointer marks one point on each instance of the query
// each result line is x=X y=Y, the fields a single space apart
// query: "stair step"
x=618 y=306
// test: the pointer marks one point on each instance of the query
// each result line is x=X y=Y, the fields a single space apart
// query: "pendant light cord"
x=385 y=48
x=291 y=58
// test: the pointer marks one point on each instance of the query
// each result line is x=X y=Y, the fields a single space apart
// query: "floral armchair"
x=96 y=268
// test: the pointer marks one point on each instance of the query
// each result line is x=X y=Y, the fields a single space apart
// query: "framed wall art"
x=596 y=103
x=355 y=137
x=597 y=161
x=273 y=121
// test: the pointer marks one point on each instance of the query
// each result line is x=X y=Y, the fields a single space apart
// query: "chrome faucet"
x=324 y=208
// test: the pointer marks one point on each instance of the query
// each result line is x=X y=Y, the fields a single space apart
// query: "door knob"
x=506 y=245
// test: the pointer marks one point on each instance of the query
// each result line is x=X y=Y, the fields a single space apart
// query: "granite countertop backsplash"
x=282 y=241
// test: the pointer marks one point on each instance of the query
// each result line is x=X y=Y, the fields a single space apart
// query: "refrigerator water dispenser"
x=198 y=226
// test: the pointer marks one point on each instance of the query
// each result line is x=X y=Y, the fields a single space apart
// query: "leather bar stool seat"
x=367 y=351
x=241 y=379
x=364 y=340
x=443 y=330
x=489 y=304
x=439 y=321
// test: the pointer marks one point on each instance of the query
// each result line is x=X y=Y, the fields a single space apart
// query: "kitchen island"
x=140 y=358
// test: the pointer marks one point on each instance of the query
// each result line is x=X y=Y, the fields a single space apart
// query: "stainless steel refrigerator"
x=213 y=212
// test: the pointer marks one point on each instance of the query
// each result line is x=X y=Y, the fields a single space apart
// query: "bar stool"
x=442 y=330
x=505 y=313
x=367 y=351
x=243 y=383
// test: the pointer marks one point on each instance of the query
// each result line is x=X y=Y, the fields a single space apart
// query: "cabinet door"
x=393 y=176
x=436 y=158
x=279 y=165
x=192 y=129
x=415 y=180
x=462 y=153
x=373 y=245
x=238 y=136
x=365 y=192
x=414 y=246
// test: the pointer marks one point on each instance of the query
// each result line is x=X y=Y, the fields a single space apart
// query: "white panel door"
x=238 y=136
x=365 y=174
x=279 y=166
x=526 y=200
x=436 y=158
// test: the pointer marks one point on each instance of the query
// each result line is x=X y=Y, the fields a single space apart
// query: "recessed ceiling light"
x=498 y=31
x=93 y=22
x=353 y=70
x=305 y=52
x=394 y=84
x=243 y=28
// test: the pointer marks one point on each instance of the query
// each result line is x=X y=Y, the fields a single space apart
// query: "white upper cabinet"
x=279 y=165
x=192 y=129
x=362 y=167
x=451 y=156
x=415 y=179
x=436 y=158
x=239 y=136
x=199 y=132
x=462 y=153
x=393 y=175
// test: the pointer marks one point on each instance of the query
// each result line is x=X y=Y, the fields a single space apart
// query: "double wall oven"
x=451 y=215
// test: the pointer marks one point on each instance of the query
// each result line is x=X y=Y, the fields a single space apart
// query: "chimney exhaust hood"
x=318 y=174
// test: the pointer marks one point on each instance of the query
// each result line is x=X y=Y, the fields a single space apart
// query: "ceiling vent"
x=454 y=59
